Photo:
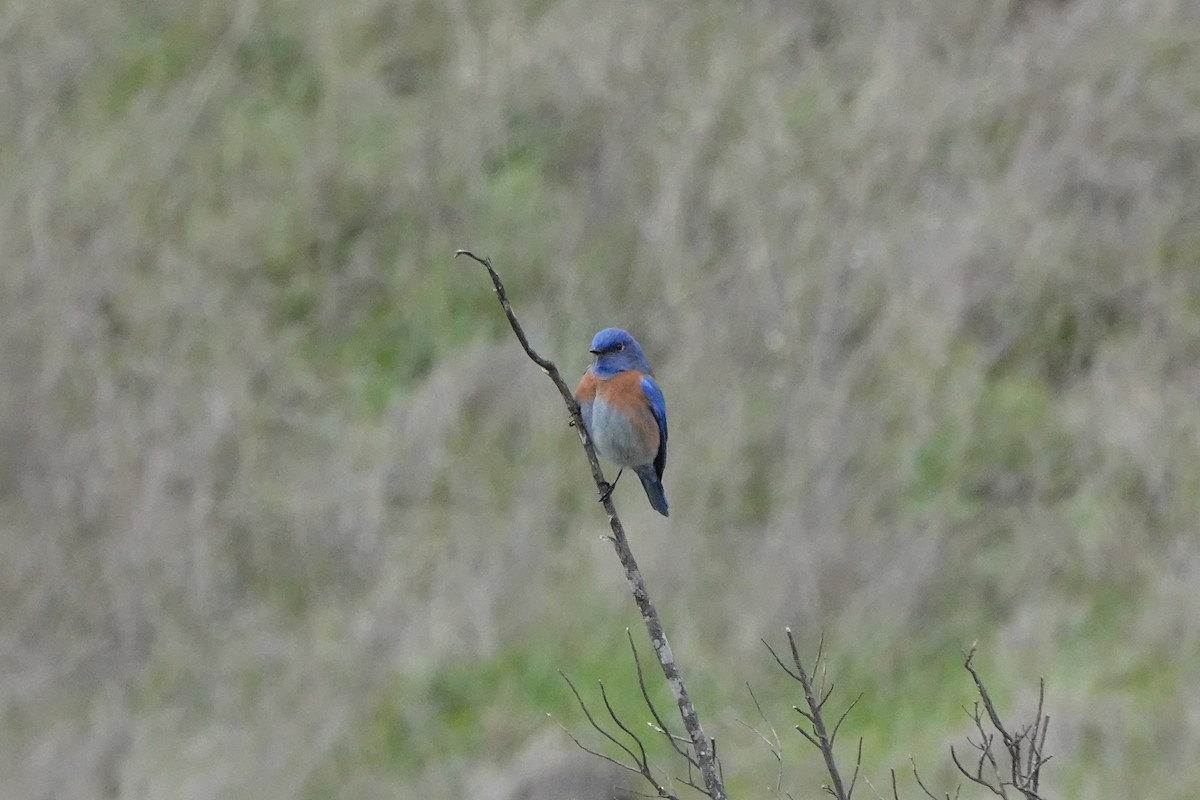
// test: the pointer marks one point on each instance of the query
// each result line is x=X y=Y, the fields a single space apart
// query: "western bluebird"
x=624 y=411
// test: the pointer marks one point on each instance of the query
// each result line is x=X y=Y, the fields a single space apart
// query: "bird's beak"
x=594 y=352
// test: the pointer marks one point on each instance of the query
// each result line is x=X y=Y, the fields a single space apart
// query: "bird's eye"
x=620 y=346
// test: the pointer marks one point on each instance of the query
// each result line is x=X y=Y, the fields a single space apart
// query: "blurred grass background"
x=284 y=511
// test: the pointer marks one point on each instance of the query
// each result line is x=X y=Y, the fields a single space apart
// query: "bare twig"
x=875 y=791
x=600 y=728
x=641 y=756
x=817 y=733
x=640 y=764
x=773 y=744
x=921 y=783
x=702 y=747
x=842 y=718
x=592 y=752
x=1024 y=750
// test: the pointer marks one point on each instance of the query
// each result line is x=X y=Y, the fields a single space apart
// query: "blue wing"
x=658 y=406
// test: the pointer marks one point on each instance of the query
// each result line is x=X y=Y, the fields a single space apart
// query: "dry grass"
x=920 y=282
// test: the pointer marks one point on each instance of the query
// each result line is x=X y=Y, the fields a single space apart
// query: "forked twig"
x=640 y=764
x=816 y=732
x=1024 y=750
x=600 y=728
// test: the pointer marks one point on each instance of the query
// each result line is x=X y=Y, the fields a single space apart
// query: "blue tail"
x=654 y=489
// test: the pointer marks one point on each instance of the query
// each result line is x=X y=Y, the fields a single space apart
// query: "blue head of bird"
x=616 y=351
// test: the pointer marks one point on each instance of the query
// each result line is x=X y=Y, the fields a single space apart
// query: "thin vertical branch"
x=701 y=745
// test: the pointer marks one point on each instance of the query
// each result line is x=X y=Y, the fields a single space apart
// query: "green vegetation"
x=285 y=512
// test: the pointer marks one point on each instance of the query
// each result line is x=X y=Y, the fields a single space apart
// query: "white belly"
x=616 y=439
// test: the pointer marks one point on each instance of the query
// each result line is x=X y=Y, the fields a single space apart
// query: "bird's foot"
x=606 y=489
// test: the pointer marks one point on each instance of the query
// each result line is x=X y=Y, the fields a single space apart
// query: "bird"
x=625 y=413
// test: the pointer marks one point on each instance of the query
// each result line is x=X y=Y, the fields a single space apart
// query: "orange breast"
x=585 y=392
x=624 y=392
